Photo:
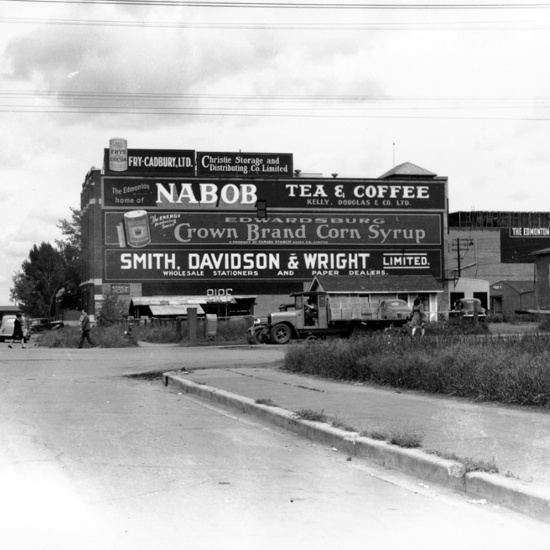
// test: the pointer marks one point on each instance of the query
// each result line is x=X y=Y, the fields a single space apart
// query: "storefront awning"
x=187 y=300
x=175 y=309
x=170 y=306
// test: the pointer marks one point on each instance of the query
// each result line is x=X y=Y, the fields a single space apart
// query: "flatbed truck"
x=322 y=314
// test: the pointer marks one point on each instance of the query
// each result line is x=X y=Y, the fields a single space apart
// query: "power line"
x=163 y=96
x=465 y=25
x=269 y=105
x=202 y=113
x=297 y=5
x=355 y=110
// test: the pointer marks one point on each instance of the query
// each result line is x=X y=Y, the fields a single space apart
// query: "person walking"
x=418 y=318
x=85 y=327
x=18 y=331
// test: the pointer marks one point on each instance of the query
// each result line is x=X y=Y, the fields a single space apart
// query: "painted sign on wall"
x=119 y=160
x=244 y=164
x=518 y=243
x=120 y=289
x=138 y=228
x=247 y=264
x=201 y=195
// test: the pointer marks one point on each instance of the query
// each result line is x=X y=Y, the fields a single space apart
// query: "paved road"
x=91 y=459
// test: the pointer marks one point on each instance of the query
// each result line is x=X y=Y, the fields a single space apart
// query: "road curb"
x=511 y=493
x=495 y=488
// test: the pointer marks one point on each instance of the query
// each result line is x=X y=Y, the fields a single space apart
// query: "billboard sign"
x=517 y=244
x=120 y=161
x=139 y=228
x=241 y=194
x=198 y=264
x=120 y=289
x=259 y=165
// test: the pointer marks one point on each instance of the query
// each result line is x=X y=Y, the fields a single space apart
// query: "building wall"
x=542 y=281
x=412 y=210
x=506 y=299
x=481 y=254
x=92 y=241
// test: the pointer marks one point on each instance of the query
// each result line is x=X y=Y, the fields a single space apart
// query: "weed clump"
x=313 y=416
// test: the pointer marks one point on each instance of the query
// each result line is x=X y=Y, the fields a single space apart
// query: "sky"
x=351 y=88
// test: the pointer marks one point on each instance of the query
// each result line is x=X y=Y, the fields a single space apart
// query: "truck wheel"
x=280 y=334
x=257 y=336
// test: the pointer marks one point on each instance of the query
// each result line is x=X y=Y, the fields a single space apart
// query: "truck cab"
x=309 y=318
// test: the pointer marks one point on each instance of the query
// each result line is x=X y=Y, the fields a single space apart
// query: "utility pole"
x=458 y=256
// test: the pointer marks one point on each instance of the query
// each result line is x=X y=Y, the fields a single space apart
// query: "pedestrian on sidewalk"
x=418 y=320
x=85 y=327
x=18 y=331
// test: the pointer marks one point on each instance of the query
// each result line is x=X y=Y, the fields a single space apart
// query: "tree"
x=71 y=250
x=42 y=276
x=49 y=270
x=72 y=230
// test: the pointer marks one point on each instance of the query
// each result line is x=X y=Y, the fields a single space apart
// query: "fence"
x=193 y=327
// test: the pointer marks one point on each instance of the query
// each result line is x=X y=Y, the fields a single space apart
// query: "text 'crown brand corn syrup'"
x=137 y=228
x=118 y=154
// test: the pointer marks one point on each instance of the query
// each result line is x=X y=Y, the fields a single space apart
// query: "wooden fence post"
x=192 y=323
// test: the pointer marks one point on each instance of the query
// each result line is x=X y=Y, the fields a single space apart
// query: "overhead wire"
x=65 y=94
x=271 y=105
x=263 y=114
x=341 y=27
x=151 y=101
x=300 y=5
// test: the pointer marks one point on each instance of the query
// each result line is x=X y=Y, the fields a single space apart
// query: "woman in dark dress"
x=418 y=320
x=18 y=331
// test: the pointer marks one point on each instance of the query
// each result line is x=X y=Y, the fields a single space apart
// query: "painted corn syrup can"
x=137 y=228
x=118 y=154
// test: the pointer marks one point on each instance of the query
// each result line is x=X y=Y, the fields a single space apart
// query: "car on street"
x=6 y=328
x=40 y=324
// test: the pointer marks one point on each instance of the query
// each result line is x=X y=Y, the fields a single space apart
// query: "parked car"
x=41 y=324
x=6 y=328
x=466 y=307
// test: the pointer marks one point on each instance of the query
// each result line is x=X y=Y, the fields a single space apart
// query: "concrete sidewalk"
x=516 y=440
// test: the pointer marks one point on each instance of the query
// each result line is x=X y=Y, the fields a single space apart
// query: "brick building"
x=181 y=224
x=499 y=247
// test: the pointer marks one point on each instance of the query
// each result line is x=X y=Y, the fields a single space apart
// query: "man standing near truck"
x=311 y=313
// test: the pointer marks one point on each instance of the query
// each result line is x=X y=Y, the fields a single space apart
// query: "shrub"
x=508 y=370
x=157 y=334
x=112 y=312
x=68 y=337
x=109 y=334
